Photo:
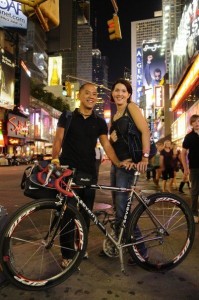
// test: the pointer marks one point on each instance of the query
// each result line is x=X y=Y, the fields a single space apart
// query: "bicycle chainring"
x=109 y=248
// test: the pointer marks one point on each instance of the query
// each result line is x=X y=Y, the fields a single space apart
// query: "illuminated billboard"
x=7 y=77
x=55 y=70
x=154 y=67
x=186 y=44
x=139 y=74
x=11 y=15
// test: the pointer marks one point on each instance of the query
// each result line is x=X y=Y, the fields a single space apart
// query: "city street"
x=100 y=278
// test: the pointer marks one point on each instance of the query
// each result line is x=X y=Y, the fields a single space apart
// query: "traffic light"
x=46 y=11
x=114 y=28
x=67 y=89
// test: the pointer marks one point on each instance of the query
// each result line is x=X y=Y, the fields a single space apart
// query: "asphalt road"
x=100 y=278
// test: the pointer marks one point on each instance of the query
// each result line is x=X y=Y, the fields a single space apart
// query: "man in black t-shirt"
x=190 y=161
x=76 y=148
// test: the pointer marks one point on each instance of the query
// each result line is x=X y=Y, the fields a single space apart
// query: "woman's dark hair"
x=127 y=85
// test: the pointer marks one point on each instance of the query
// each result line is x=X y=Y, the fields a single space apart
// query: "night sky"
x=119 y=52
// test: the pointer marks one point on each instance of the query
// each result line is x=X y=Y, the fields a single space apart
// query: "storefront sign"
x=17 y=126
x=11 y=15
x=12 y=141
x=159 y=96
x=187 y=85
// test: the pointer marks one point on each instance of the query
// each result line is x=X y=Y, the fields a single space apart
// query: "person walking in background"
x=185 y=180
x=76 y=148
x=121 y=93
x=190 y=161
x=167 y=165
x=185 y=177
x=99 y=157
x=156 y=163
x=176 y=163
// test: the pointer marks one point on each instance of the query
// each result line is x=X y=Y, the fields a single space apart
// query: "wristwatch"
x=146 y=155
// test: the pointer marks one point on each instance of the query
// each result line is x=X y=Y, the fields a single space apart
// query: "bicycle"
x=30 y=246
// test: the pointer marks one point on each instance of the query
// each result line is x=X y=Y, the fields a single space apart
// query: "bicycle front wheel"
x=31 y=251
x=162 y=240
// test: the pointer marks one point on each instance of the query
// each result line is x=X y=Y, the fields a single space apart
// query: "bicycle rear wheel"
x=28 y=258
x=156 y=249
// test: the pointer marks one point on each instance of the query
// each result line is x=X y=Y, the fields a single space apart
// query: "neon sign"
x=18 y=126
x=13 y=141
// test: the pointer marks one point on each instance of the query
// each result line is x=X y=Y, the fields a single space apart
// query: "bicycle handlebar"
x=61 y=176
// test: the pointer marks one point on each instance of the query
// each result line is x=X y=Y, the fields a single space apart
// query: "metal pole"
x=115 y=6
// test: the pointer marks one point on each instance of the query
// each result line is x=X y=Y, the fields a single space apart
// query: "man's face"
x=88 y=96
x=195 y=125
x=157 y=76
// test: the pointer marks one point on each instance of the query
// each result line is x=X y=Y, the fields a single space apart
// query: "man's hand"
x=113 y=136
x=149 y=59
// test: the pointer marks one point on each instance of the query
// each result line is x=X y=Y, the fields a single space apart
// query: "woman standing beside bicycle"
x=121 y=93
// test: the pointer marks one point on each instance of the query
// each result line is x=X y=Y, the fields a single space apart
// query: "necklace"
x=119 y=113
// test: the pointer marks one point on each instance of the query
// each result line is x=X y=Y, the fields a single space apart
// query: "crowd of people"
x=164 y=167
x=77 y=148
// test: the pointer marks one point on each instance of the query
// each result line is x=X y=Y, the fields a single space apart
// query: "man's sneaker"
x=86 y=255
x=196 y=219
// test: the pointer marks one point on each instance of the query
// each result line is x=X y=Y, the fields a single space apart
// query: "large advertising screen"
x=154 y=67
x=7 y=76
x=55 y=70
x=186 y=44
x=11 y=15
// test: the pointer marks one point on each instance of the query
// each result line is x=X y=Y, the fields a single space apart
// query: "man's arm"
x=147 y=73
x=57 y=144
x=109 y=150
x=184 y=160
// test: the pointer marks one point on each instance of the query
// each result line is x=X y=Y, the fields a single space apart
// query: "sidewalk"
x=100 y=278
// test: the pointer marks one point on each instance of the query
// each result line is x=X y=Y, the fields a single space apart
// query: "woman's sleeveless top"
x=121 y=145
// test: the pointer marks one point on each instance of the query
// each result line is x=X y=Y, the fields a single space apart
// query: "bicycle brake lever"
x=51 y=168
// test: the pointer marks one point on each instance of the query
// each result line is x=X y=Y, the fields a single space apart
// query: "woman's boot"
x=182 y=183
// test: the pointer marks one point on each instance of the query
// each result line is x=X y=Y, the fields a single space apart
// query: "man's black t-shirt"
x=191 y=143
x=78 y=148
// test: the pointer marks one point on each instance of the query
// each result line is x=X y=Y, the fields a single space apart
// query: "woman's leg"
x=120 y=178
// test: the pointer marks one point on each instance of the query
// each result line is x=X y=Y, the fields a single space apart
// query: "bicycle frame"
x=70 y=187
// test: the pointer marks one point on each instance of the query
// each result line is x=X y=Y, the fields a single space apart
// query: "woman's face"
x=167 y=144
x=120 y=94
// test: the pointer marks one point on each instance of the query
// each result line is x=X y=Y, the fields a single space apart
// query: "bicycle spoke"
x=31 y=258
x=153 y=248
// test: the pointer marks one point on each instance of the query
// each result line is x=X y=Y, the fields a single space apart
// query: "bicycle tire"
x=27 y=259
x=155 y=251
